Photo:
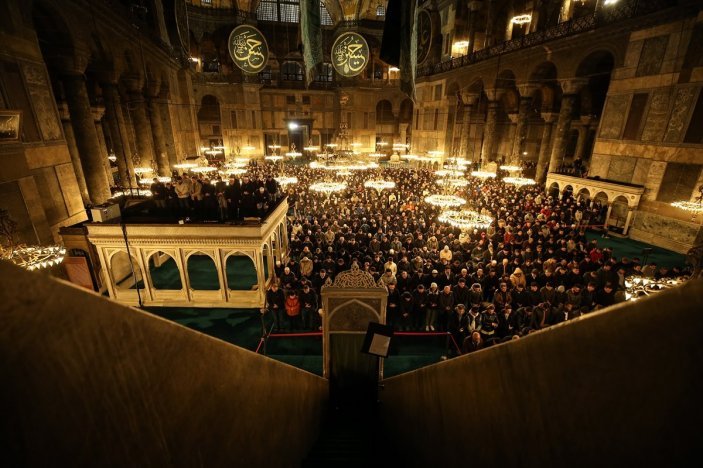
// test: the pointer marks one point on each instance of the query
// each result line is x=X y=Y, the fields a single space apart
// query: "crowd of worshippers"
x=201 y=198
x=531 y=269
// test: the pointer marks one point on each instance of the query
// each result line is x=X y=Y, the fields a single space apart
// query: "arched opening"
x=584 y=195
x=164 y=272
x=567 y=192
x=126 y=275
x=553 y=190
x=618 y=212
x=384 y=112
x=210 y=121
x=202 y=272
x=597 y=67
x=291 y=71
x=241 y=273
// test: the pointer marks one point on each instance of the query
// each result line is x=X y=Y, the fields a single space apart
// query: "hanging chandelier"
x=409 y=157
x=37 y=257
x=435 y=153
x=465 y=219
x=284 y=180
x=343 y=166
x=519 y=181
x=248 y=148
x=143 y=170
x=162 y=179
x=294 y=154
x=692 y=207
x=235 y=171
x=185 y=165
x=112 y=157
x=483 y=174
x=637 y=287
x=445 y=201
x=312 y=149
x=379 y=185
x=510 y=168
x=376 y=155
x=273 y=158
x=131 y=192
x=203 y=169
x=328 y=187
x=449 y=173
x=521 y=19
x=453 y=182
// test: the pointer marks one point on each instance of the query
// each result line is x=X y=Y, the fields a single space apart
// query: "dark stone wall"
x=618 y=388
x=88 y=382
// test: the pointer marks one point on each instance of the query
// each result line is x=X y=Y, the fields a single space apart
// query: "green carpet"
x=165 y=276
x=623 y=247
x=202 y=273
x=241 y=273
x=242 y=327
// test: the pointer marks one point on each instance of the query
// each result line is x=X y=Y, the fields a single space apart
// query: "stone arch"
x=584 y=193
x=202 y=272
x=601 y=197
x=505 y=79
x=568 y=189
x=125 y=274
x=164 y=273
x=384 y=111
x=56 y=35
x=291 y=71
x=543 y=72
x=240 y=271
x=597 y=68
x=554 y=189
x=364 y=308
x=405 y=114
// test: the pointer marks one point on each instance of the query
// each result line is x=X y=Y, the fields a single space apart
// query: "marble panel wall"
x=621 y=168
x=614 y=116
x=685 y=98
x=653 y=180
x=656 y=120
x=652 y=55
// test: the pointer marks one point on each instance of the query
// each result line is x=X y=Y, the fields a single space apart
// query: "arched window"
x=325 y=18
x=292 y=71
x=284 y=11
x=325 y=73
x=380 y=10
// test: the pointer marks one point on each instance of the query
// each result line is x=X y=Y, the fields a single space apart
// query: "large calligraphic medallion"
x=424 y=35
x=350 y=54
x=248 y=48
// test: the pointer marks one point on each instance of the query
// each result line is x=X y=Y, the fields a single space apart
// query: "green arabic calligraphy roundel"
x=424 y=35
x=248 y=48
x=350 y=54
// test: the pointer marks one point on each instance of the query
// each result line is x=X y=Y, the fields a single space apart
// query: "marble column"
x=136 y=105
x=165 y=113
x=157 y=131
x=73 y=150
x=118 y=132
x=545 y=146
x=474 y=7
x=490 y=130
x=86 y=137
x=583 y=137
x=561 y=133
x=523 y=120
x=469 y=101
x=98 y=113
x=628 y=220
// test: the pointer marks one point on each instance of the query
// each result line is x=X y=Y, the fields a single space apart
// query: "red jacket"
x=293 y=306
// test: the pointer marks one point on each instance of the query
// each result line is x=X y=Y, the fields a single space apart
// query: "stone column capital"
x=475 y=5
x=469 y=99
x=549 y=117
x=527 y=89
x=494 y=94
x=572 y=85
x=98 y=112
x=62 y=107
x=514 y=117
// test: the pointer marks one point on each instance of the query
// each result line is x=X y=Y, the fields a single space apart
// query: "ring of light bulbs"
x=445 y=201
x=465 y=219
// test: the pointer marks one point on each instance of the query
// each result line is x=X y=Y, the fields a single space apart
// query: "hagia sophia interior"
x=330 y=233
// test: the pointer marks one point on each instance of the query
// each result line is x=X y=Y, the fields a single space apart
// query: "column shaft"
x=73 y=151
x=118 y=132
x=521 y=128
x=142 y=129
x=466 y=131
x=561 y=135
x=581 y=143
x=86 y=138
x=489 y=132
x=103 y=152
x=157 y=131
x=544 y=152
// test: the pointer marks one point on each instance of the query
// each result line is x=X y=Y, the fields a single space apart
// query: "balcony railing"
x=605 y=16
